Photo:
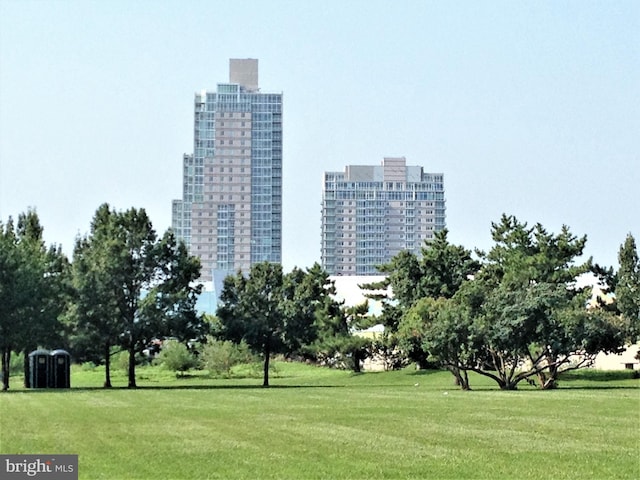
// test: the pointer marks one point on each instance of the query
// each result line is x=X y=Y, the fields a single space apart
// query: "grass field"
x=319 y=423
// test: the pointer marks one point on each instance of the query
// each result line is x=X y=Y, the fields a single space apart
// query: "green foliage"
x=520 y=317
x=132 y=287
x=175 y=356
x=121 y=361
x=88 y=366
x=33 y=289
x=628 y=286
x=439 y=271
x=252 y=310
x=449 y=335
x=337 y=343
x=272 y=312
x=17 y=364
x=384 y=347
x=413 y=329
x=219 y=357
x=532 y=299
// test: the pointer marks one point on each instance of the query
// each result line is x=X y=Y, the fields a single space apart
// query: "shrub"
x=16 y=364
x=219 y=357
x=87 y=366
x=120 y=361
x=175 y=356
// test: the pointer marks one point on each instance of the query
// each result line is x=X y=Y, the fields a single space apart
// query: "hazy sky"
x=528 y=108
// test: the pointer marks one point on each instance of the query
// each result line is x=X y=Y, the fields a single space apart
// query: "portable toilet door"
x=60 y=369
x=39 y=369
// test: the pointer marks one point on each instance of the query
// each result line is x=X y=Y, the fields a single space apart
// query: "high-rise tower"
x=370 y=213
x=230 y=214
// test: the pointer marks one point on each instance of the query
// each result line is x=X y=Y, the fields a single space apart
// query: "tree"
x=273 y=312
x=94 y=313
x=12 y=296
x=527 y=318
x=174 y=293
x=627 y=289
x=252 y=310
x=447 y=334
x=519 y=326
x=439 y=272
x=354 y=346
x=132 y=287
x=304 y=293
x=521 y=316
x=32 y=290
x=533 y=273
x=445 y=330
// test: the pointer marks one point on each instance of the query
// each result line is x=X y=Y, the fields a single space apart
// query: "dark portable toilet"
x=39 y=369
x=60 y=369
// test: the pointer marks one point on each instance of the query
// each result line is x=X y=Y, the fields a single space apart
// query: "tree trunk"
x=548 y=380
x=552 y=381
x=356 y=362
x=461 y=378
x=25 y=369
x=107 y=365
x=267 y=353
x=508 y=385
x=464 y=384
x=6 y=362
x=132 y=367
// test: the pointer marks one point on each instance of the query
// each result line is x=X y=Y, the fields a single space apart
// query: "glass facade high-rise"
x=230 y=214
x=371 y=213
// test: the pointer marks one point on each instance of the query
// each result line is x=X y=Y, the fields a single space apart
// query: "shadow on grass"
x=601 y=375
x=425 y=372
x=167 y=387
x=597 y=387
x=480 y=388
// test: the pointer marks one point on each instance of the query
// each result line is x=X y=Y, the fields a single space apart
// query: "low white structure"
x=625 y=360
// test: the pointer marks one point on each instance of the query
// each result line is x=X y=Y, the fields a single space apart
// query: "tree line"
x=124 y=287
x=513 y=313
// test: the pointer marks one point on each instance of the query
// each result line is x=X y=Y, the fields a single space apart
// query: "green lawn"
x=320 y=423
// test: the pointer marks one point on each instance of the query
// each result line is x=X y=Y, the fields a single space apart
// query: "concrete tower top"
x=245 y=72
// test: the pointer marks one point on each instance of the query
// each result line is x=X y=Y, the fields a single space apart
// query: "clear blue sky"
x=528 y=108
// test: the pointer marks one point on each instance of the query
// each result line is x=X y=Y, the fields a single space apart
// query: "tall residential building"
x=371 y=213
x=230 y=214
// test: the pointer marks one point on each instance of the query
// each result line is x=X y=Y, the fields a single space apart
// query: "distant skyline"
x=528 y=108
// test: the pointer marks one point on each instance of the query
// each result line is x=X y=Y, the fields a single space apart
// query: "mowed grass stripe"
x=331 y=425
